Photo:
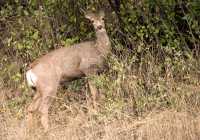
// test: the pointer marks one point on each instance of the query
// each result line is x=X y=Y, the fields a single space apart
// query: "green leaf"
x=35 y=35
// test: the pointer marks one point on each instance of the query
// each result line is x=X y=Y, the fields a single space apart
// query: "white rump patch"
x=31 y=78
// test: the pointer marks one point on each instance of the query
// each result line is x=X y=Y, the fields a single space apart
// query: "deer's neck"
x=103 y=42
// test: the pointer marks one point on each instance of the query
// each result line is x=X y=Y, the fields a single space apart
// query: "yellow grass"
x=65 y=125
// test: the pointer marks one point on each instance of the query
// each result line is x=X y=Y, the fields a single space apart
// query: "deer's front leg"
x=90 y=72
x=94 y=93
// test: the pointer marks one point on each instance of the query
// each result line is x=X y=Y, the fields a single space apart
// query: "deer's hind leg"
x=32 y=108
x=46 y=100
x=93 y=90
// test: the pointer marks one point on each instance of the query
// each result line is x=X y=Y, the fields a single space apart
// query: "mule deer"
x=68 y=63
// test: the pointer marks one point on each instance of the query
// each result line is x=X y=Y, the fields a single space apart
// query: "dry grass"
x=170 y=125
x=64 y=126
x=74 y=124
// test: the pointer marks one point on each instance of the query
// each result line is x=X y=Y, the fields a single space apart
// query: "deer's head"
x=97 y=19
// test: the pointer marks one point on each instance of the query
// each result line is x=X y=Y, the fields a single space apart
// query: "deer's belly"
x=72 y=75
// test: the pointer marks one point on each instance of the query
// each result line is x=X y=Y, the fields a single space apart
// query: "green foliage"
x=155 y=43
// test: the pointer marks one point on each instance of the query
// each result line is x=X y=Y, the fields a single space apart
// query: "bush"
x=155 y=47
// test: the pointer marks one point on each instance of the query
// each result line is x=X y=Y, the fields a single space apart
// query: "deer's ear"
x=88 y=15
x=102 y=14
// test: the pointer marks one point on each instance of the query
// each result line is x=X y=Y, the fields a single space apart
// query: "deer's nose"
x=99 y=27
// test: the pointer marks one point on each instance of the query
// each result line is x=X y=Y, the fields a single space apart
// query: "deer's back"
x=69 y=62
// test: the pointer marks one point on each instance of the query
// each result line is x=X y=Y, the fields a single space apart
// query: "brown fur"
x=68 y=63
